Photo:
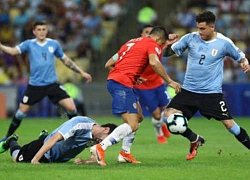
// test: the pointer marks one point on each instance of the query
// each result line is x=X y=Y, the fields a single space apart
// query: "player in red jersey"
x=132 y=59
x=153 y=96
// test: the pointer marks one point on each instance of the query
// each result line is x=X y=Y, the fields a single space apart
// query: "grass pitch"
x=222 y=157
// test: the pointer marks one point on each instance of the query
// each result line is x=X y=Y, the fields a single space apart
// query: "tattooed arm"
x=73 y=66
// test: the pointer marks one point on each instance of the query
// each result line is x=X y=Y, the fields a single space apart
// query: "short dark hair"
x=206 y=16
x=160 y=31
x=39 y=23
x=111 y=127
x=146 y=26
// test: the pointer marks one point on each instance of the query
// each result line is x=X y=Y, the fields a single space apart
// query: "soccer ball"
x=177 y=123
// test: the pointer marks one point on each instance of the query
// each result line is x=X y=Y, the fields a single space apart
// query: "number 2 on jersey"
x=129 y=45
x=201 y=59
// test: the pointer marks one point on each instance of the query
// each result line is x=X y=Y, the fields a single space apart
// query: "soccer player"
x=202 y=87
x=131 y=60
x=63 y=144
x=152 y=94
x=43 y=78
x=153 y=97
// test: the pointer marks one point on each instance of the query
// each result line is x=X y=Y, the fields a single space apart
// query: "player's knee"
x=167 y=112
x=20 y=115
x=134 y=126
x=140 y=118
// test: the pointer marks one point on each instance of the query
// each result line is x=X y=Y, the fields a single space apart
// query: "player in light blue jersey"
x=43 y=78
x=63 y=144
x=202 y=87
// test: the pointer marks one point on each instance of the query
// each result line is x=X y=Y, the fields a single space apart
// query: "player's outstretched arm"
x=9 y=50
x=159 y=69
x=73 y=66
x=91 y=160
x=46 y=147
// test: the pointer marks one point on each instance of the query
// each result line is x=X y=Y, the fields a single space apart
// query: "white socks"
x=127 y=142
x=119 y=133
x=157 y=126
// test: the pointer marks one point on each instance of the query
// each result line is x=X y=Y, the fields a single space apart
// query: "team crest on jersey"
x=25 y=99
x=158 y=50
x=214 y=52
x=135 y=105
x=51 y=49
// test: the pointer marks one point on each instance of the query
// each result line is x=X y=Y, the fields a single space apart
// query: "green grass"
x=222 y=156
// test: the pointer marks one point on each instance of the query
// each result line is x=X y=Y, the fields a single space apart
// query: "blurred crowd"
x=78 y=25
x=233 y=21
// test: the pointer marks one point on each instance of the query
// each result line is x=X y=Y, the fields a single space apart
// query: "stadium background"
x=90 y=35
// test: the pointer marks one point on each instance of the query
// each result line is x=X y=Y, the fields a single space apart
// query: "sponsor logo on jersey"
x=214 y=52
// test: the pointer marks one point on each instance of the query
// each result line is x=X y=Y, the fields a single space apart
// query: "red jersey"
x=153 y=79
x=133 y=59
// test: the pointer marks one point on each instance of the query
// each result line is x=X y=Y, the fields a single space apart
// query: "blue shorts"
x=123 y=98
x=153 y=98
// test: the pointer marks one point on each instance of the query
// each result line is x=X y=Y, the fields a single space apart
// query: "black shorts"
x=33 y=94
x=209 y=105
x=28 y=151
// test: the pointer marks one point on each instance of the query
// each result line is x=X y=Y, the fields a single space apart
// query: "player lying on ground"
x=63 y=144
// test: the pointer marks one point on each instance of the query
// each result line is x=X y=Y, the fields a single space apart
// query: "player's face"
x=102 y=134
x=205 y=30
x=146 y=31
x=40 y=32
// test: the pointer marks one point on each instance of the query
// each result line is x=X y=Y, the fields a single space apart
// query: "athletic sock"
x=243 y=138
x=119 y=133
x=14 y=146
x=190 y=135
x=15 y=123
x=157 y=126
x=127 y=142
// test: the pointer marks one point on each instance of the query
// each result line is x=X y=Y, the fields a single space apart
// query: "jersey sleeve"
x=23 y=47
x=69 y=130
x=59 y=51
x=181 y=45
x=153 y=48
x=234 y=52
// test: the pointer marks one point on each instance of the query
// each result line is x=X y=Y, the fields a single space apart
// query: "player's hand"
x=87 y=76
x=33 y=161
x=140 y=80
x=245 y=65
x=172 y=38
x=91 y=160
x=176 y=86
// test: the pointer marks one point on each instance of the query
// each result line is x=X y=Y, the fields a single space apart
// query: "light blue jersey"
x=42 y=60
x=204 y=71
x=77 y=136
